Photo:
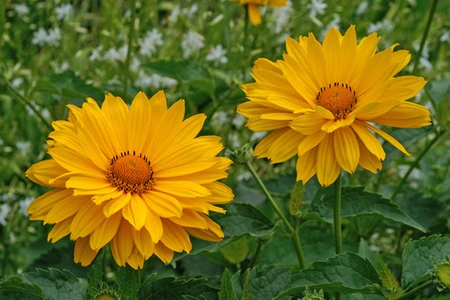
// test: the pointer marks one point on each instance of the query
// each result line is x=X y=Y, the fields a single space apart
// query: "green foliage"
x=357 y=202
x=419 y=255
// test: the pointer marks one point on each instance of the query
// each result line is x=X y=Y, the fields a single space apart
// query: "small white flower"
x=21 y=9
x=256 y=136
x=42 y=37
x=39 y=37
x=445 y=37
x=362 y=8
x=282 y=15
x=54 y=36
x=155 y=81
x=150 y=42
x=317 y=8
x=23 y=147
x=190 y=12
x=385 y=25
x=239 y=121
x=95 y=55
x=64 y=11
x=175 y=13
x=24 y=204
x=219 y=119
x=233 y=139
x=16 y=82
x=192 y=42
x=5 y=209
x=217 y=55
x=116 y=55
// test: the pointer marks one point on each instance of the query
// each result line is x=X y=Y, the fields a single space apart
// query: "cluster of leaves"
x=256 y=259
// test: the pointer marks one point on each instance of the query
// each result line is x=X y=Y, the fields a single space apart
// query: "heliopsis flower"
x=323 y=103
x=253 y=10
x=137 y=178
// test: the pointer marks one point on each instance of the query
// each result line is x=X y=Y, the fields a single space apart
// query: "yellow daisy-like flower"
x=253 y=10
x=322 y=102
x=139 y=179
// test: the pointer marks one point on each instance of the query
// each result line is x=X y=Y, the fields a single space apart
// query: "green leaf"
x=357 y=202
x=95 y=275
x=128 y=282
x=240 y=220
x=185 y=70
x=385 y=274
x=18 y=286
x=418 y=257
x=346 y=272
x=155 y=288
x=235 y=252
x=258 y=283
x=51 y=283
x=226 y=288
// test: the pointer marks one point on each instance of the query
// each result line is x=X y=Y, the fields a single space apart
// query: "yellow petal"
x=162 y=204
x=346 y=149
x=116 y=111
x=389 y=138
x=308 y=123
x=310 y=141
x=368 y=139
x=254 y=14
x=116 y=204
x=181 y=188
x=83 y=252
x=59 y=231
x=44 y=171
x=123 y=243
x=164 y=254
x=40 y=207
x=135 y=212
x=65 y=208
x=327 y=168
x=285 y=147
x=306 y=166
x=105 y=232
x=87 y=219
x=154 y=226
x=175 y=237
x=143 y=242
x=368 y=160
x=406 y=115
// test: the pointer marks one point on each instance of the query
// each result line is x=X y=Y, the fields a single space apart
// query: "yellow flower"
x=138 y=179
x=323 y=101
x=253 y=9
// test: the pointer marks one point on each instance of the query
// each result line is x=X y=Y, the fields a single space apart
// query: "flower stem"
x=29 y=104
x=293 y=232
x=415 y=163
x=130 y=45
x=337 y=220
x=415 y=290
x=337 y=214
x=425 y=34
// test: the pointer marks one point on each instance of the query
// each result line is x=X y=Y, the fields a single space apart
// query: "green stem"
x=130 y=45
x=415 y=163
x=415 y=290
x=244 y=42
x=337 y=220
x=425 y=34
x=29 y=104
x=293 y=232
x=337 y=214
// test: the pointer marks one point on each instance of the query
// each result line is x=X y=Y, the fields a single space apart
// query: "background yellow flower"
x=138 y=179
x=253 y=10
x=323 y=101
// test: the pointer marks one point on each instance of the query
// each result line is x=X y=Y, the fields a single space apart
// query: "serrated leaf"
x=357 y=202
x=95 y=275
x=226 y=287
x=258 y=283
x=52 y=283
x=128 y=282
x=18 y=285
x=385 y=274
x=240 y=220
x=236 y=251
x=426 y=210
x=155 y=288
x=346 y=272
x=418 y=257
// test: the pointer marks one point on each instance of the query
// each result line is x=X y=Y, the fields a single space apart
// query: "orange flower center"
x=338 y=99
x=130 y=173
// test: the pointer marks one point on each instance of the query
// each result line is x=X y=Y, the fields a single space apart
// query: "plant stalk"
x=415 y=290
x=415 y=163
x=293 y=232
x=130 y=45
x=425 y=34
x=337 y=220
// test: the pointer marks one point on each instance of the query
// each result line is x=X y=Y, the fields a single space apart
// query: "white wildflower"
x=317 y=8
x=5 y=209
x=192 y=42
x=175 y=13
x=116 y=55
x=256 y=136
x=239 y=121
x=190 y=11
x=64 y=11
x=385 y=25
x=362 y=8
x=24 y=204
x=217 y=54
x=219 y=119
x=150 y=42
x=39 y=37
x=24 y=147
x=445 y=37
x=16 y=82
x=42 y=37
x=154 y=81
x=95 y=54
x=21 y=9
x=282 y=15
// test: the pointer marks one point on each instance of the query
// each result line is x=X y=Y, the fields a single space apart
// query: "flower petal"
x=346 y=149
